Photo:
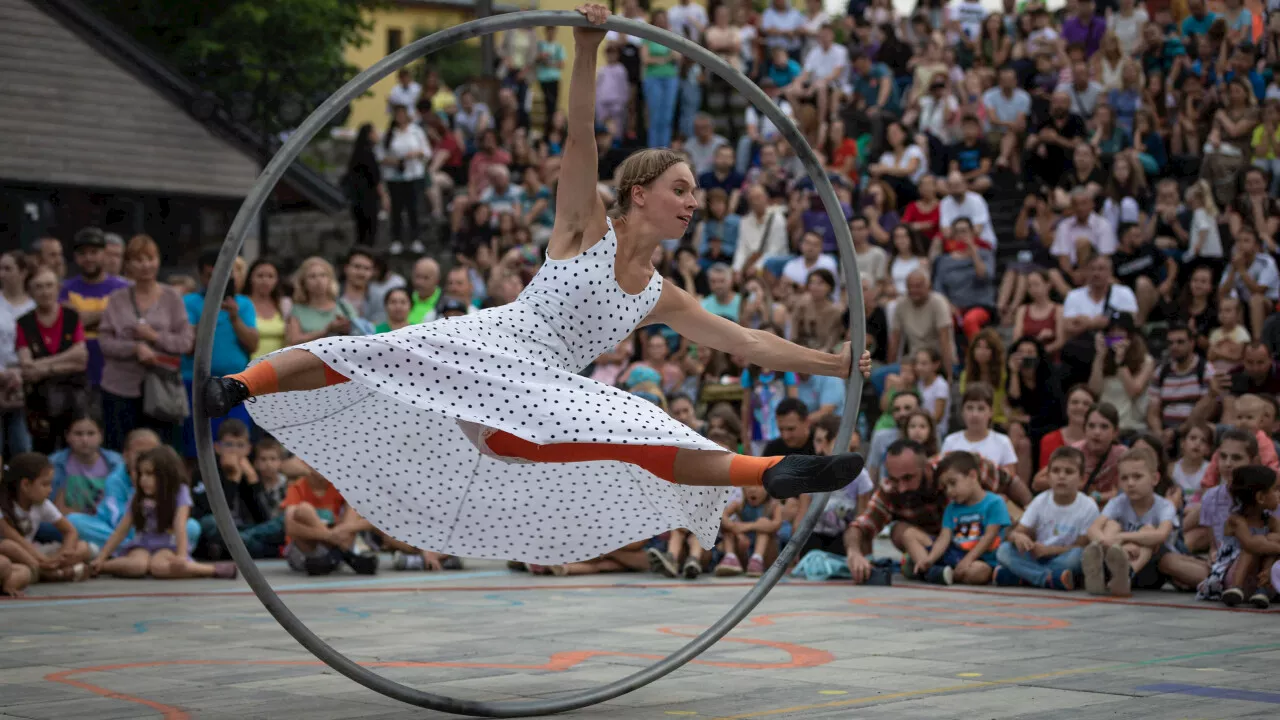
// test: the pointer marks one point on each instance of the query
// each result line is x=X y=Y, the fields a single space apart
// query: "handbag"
x=164 y=397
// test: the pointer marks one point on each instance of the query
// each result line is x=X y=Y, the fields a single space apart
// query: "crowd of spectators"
x=1065 y=222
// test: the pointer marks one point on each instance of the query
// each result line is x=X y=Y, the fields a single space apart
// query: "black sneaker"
x=453 y=562
x=692 y=569
x=222 y=394
x=661 y=562
x=320 y=564
x=1232 y=597
x=799 y=474
x=366 y=564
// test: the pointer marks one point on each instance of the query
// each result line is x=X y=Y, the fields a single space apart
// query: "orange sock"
x=333 y=377
x=261 y=379
x=657 y=459
x=747 y=471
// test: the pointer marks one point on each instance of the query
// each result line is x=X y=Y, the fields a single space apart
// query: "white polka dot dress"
x=391 y=442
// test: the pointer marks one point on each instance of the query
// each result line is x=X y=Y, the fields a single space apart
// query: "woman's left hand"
x=864 y=364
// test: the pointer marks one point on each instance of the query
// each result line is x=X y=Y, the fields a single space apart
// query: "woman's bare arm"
x=681 y=312
x=579 y=210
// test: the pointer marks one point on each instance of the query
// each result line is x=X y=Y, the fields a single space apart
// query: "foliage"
x=257 y=56
x=457 y=64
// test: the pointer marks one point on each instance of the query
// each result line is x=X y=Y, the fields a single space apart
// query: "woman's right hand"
x=596 y=14
x=339 y=326
x=146 y=356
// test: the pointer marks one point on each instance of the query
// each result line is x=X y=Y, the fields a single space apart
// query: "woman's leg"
x=132 y=565
x=289 y=371
x=782 y=477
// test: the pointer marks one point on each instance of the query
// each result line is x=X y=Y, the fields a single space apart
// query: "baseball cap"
x=88 y=237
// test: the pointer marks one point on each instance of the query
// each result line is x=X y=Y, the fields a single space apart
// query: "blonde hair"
x=639 y=170
x=1205 y=192
x=300 y=295
x=1144 y=455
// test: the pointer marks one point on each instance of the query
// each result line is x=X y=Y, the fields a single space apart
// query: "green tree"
x=272 y=58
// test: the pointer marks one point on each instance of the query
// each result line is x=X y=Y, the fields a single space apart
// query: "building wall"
x=70 y=117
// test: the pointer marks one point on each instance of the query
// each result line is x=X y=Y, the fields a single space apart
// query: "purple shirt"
x=90 y=297
x=1090 y=36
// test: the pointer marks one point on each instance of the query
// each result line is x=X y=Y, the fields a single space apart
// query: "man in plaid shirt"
x=911 y=499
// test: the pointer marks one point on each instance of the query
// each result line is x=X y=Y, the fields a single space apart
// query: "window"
x=395 y=39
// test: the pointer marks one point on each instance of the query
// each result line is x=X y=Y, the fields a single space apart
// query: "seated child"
x=1133 y=539
x=322 y=531
x=1250 y=410
x=972 y=526
x=246 y=494
x=1227 y=341
x=977 y=436
x=1206 y=521
x=25 y=488
x=1044 y=547
x=96 y=527
x=1189 y=470
x=91 y=485
x=750 y=524
x=1251 y=541
x=158 y=510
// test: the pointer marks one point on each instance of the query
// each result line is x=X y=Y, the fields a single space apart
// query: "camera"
x=1030 y=363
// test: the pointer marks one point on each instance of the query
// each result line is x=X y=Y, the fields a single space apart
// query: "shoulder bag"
x=163 y=396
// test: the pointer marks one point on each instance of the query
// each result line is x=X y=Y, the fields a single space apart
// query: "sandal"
x=225 y=570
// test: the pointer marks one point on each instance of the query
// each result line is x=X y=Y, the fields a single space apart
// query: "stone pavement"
x=206 y=649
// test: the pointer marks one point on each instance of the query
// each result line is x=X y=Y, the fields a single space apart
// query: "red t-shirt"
x=302 y=492
x=51 y=335
x=913 y=215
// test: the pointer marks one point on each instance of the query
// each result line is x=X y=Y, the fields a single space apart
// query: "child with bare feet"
x=155 y=526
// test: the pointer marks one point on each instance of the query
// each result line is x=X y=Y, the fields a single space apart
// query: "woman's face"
x=656 y=349
x=1026 y=350
x=1196 y=442
x=668 y=202
x=402 y=117
x=10 y=276
x=263 y=280
x=1122 y=170
x=902 y=241
x=1078 y=407
x=721 y=15
x=1236 y=95
x=1129 y=75
x=918 y=429
x=818 y=289
x=143 y=266
x=1037 y=288
x=836 y=132
x=981 y=352
x=398 y=307
x=1099 y=433
x=44 y=289
x=876 y=193
x=1255 y=183
x=991 y=25
x=896 y=135
x=928 y=188
x=318 y=281
x=1201 y=283
x=659 y=19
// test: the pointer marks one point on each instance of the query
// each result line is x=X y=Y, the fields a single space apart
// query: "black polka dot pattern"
x=390 y=441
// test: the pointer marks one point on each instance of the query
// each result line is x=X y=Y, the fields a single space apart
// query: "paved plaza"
x=206 y=649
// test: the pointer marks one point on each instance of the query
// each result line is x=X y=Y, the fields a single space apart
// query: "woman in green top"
x=398 y=304
x=317 y=311
x=661 y=83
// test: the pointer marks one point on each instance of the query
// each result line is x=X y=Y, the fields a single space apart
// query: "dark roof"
x=131 y=55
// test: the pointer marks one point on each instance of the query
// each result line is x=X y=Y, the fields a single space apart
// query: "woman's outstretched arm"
x=681 y=312
x=578 y=205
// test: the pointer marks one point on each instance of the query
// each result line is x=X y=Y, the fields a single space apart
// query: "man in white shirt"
x=688 y=19
x=825 y=75
x=1080 y=236
x=1089 y=308
x=1084 y=92
x=970 y=14
x=781 y=27
x=404 y=94
x=811 y=258
x=961 y=203
x=762 y=234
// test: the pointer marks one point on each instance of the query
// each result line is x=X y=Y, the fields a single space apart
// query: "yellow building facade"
x=399 y=23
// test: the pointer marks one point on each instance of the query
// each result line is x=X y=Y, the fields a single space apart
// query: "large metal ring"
x=235 y=240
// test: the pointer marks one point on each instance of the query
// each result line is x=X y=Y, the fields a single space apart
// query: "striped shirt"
x=1178 y=392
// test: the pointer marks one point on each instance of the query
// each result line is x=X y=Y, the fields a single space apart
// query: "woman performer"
x=476 y=436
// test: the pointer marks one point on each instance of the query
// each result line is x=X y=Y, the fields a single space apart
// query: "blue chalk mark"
x=1214 y=692
x=141 y=627
x=509 y=602
x=358 y=613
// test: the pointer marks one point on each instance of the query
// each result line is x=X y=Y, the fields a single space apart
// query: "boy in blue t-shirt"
x=972 y=526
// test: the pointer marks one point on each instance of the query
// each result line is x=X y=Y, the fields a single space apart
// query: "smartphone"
x=1113 y=340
